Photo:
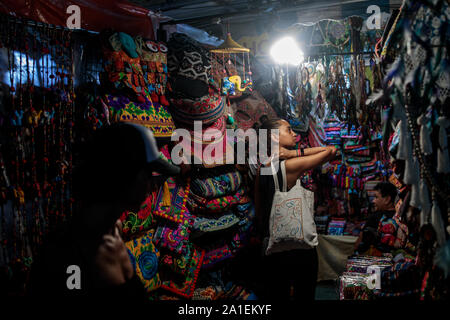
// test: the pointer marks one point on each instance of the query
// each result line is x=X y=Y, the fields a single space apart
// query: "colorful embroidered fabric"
x=387 y=230
x=214 y=145
x=134 y=223
x=144 y=258
x=336 y=227
x=173 y=237
x=179 y=194
x=218 y=205
x=216 y=255
x=247 y=214
x=189 y=66
x=146 y=113
x=227 y=247
x=154 y=66
x=186 y=287
x=207 y=109
x=202 y=224
x=208 y=293
x=400 y=279
x=178 y=263
x=123 y=72
x=218 y=186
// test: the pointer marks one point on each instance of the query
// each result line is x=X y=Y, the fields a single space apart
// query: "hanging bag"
x=291 y=224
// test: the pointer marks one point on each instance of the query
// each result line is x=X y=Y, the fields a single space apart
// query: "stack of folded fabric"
x=336 y=226
x=353 y=282
x=332 y=129
x=207 y=219
x=223 y=213
x=358 y=164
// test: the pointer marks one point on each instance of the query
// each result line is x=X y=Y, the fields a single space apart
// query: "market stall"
x=378 y=97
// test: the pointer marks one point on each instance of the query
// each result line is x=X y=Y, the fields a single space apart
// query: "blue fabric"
x=128 y=44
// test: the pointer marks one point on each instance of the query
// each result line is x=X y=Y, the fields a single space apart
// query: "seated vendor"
x=380 y=230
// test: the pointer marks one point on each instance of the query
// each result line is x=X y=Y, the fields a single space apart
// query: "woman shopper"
x=294 y=269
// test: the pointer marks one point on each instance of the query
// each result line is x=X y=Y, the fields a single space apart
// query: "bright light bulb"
x=286 y=50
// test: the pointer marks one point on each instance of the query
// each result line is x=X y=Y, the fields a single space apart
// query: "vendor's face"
x=286 y=135
x=381 y=203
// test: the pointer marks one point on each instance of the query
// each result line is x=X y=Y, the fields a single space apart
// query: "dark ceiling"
x=242 y=16
x=202 y=13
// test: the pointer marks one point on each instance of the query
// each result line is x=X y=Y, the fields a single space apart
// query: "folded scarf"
x=202 y=224
x=223 y=204
x=218 y=186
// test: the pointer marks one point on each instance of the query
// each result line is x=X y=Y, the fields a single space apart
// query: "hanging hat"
x=207 y=138
x=207 y=109
x=189 y=66
x=128 y=44
x=249 y=110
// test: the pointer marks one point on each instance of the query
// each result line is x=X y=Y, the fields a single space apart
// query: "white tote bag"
x=291 y=223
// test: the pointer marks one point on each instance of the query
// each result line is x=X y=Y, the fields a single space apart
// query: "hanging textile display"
x=134 y=80
x=415 y=76
x=415 y=60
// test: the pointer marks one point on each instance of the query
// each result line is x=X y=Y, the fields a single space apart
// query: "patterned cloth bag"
x=122 y=68
x=203 y=224
x=144 y=258
x=172 y=236
x=189 y=268
x=154 y=67
x=154 y=116
x=291 y=224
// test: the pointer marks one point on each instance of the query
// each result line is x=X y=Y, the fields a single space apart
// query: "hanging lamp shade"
x=229 y=46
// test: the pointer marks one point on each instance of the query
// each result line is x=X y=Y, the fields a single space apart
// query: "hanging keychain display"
x=36 y=157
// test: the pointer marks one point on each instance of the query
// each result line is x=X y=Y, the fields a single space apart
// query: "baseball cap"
x=124 y=148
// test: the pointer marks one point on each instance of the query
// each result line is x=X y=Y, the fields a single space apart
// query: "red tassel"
x=154 y=97
x=163 y=100
x=140 y=99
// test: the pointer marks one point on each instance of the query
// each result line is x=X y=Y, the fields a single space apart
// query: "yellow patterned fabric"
x=144 y=258
x=151 y=115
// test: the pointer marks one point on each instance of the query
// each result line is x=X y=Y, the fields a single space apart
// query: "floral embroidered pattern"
x=144 y=258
